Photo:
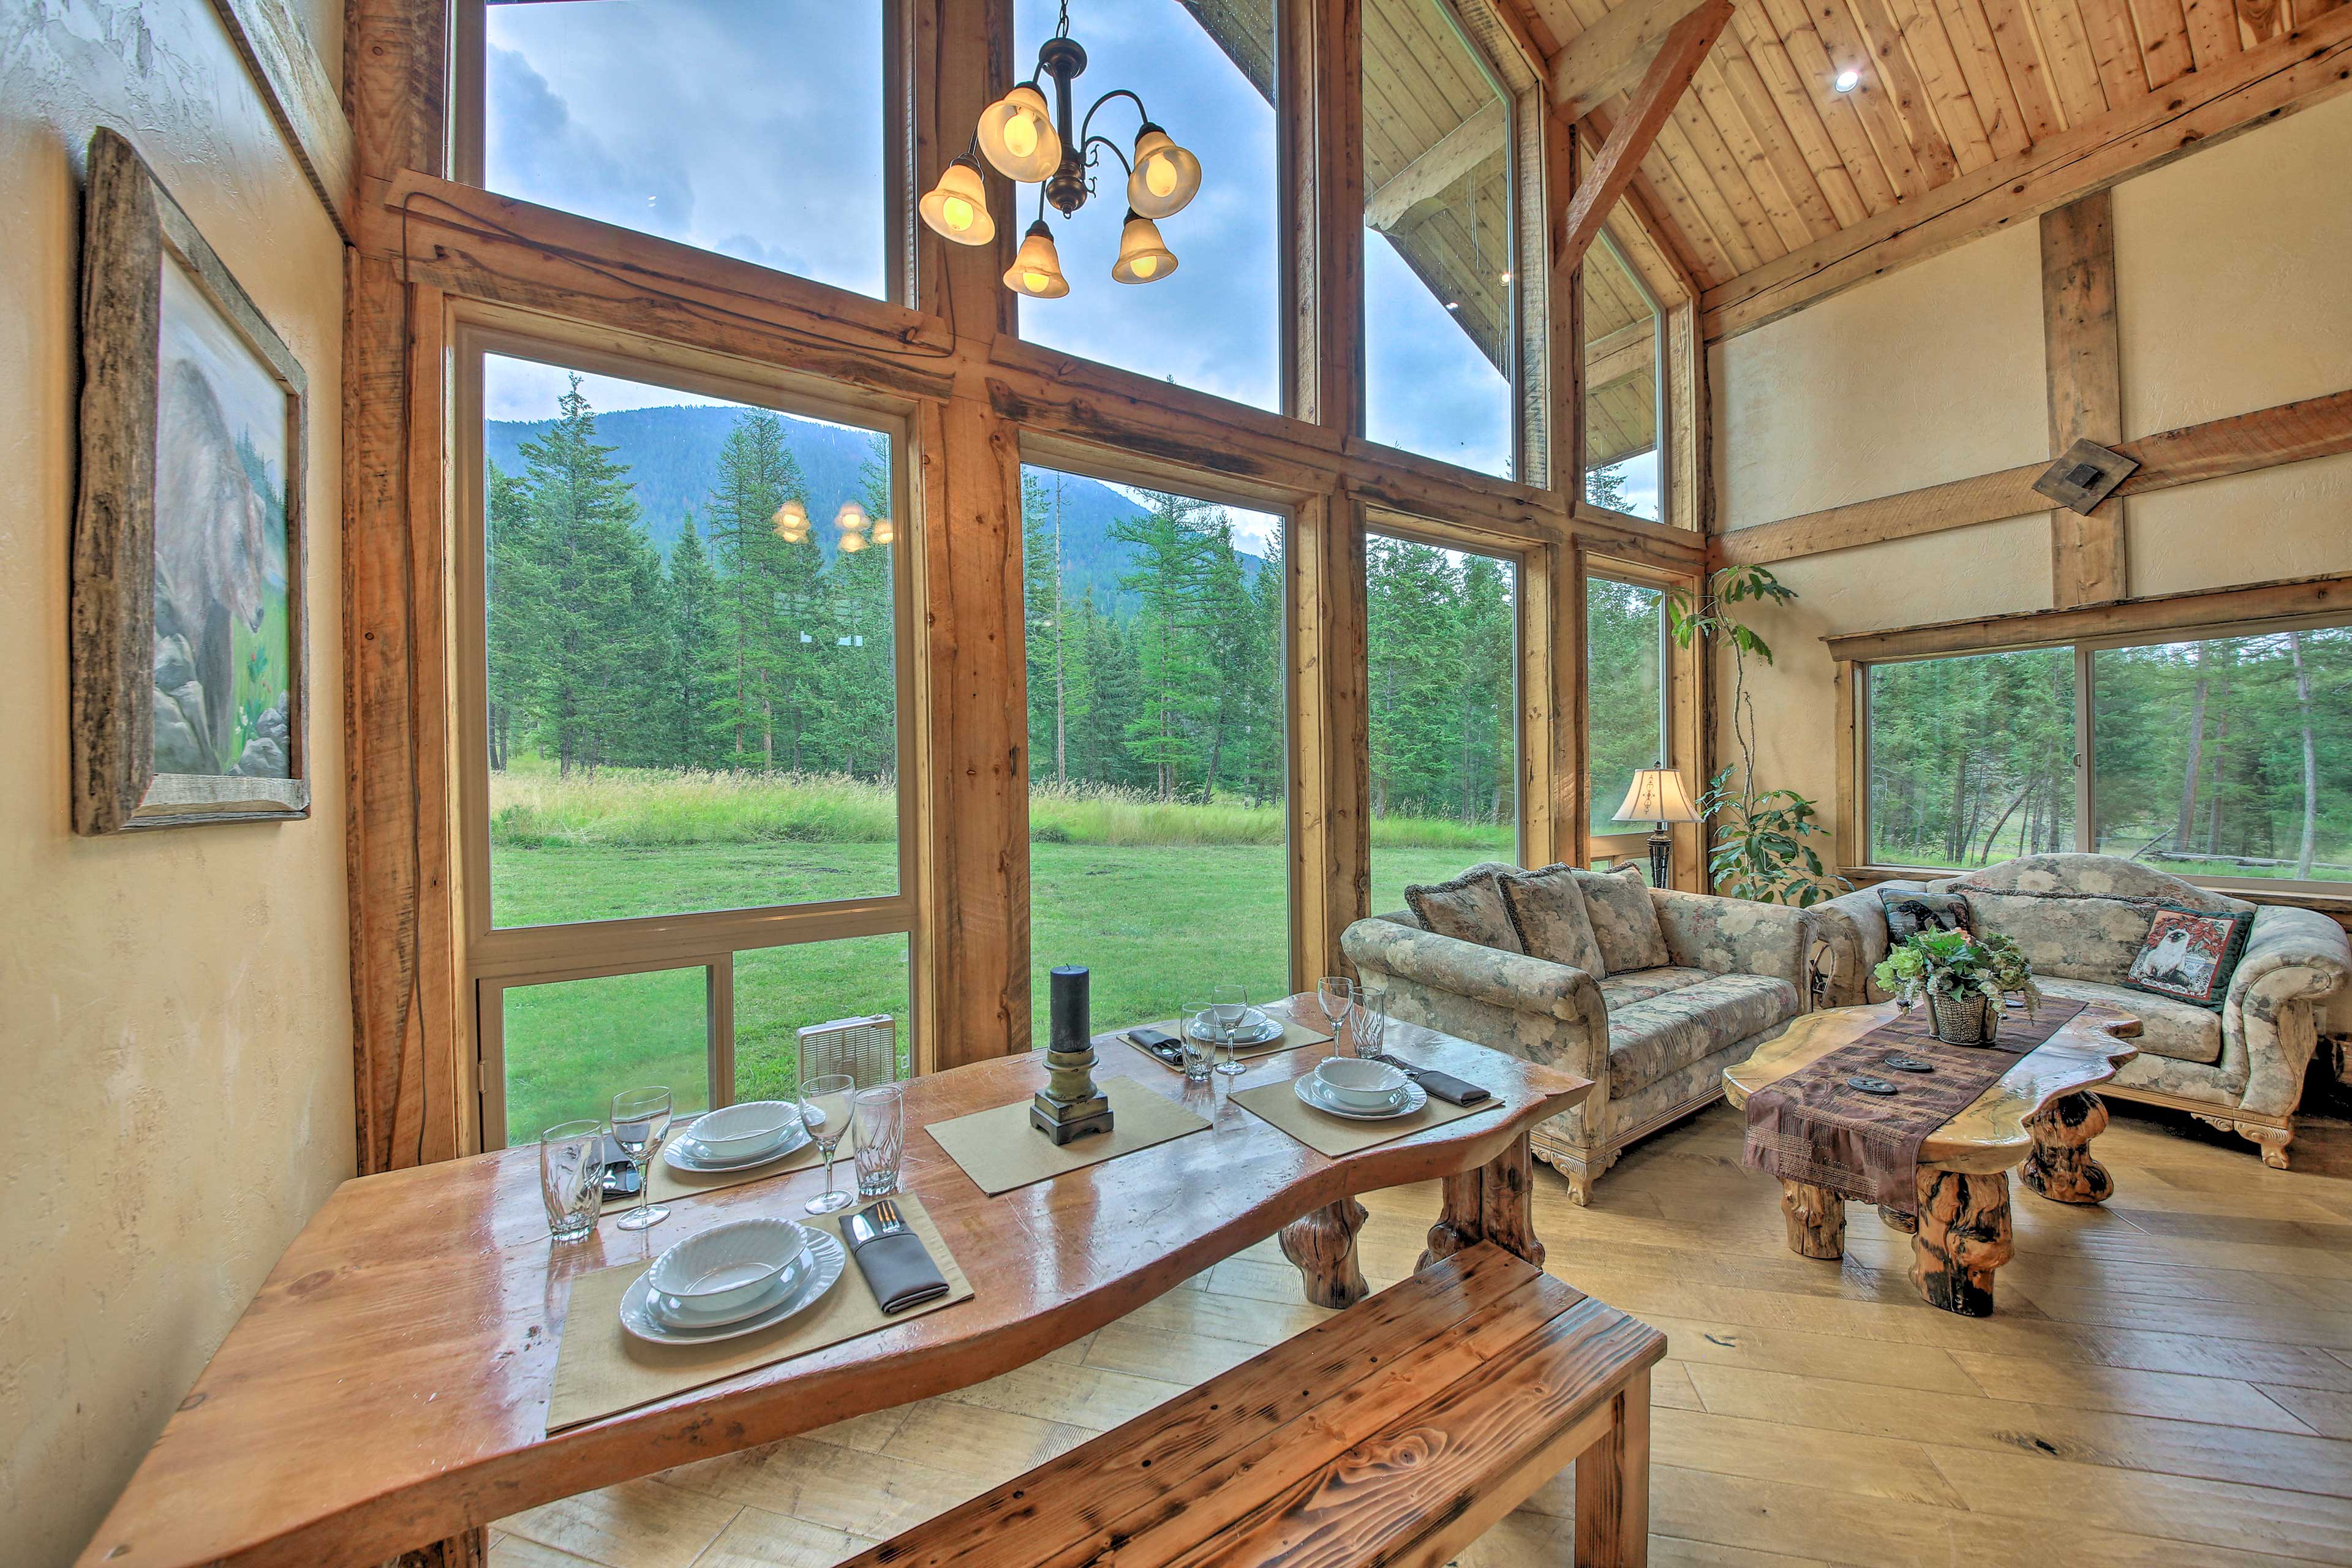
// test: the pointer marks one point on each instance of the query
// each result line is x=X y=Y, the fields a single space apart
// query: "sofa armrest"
x=2294 y=958
x=1509 y=980
x=1736 y=936
x=1854 y=927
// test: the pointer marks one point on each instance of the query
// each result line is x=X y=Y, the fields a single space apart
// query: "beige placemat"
x=1000 y=1151
x=1336 y=1135
x=601 y=1368
x=1294 y=1035
x=669 y=1184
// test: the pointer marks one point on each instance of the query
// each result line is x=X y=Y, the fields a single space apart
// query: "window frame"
x=497 y=959
x=1857 y=836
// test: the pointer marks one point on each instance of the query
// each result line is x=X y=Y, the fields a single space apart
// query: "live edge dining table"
x=388 y=1387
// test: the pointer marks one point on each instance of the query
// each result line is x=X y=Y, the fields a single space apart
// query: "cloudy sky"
x=755 y=128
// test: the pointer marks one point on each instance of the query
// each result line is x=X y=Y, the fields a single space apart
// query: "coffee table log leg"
x=1895 y=1219
x=1323 y=1244
x=1816 y=1218
x=1963 y=1236
x=1493 y=1202
x=2060 y=1167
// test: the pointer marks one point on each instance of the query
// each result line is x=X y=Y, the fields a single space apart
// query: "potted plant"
x=1963 y=978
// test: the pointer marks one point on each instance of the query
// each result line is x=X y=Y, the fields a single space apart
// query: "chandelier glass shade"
x=1031 y=141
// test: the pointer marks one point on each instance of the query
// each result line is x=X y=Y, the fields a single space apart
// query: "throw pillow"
x=1547 y=911
x=1909 y=913
x=1625 y=922
x=1469 y=907
x=2190 y=956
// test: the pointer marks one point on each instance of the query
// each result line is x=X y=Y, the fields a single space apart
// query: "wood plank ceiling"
x=1764 y=156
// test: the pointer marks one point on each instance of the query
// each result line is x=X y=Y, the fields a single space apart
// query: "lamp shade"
x=957 y=207
x=1036 y=271
x=1657 y=795
x=1143 y=256
x=1166 y=176
x=851 y=517
x=1017 y=134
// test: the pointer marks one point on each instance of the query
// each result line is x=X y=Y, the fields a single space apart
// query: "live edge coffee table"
x=2040 y=1114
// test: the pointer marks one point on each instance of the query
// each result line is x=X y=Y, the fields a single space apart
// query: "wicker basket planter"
x=1970 y=1020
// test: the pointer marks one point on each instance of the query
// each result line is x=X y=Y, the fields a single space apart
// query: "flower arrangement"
x=1960 y=967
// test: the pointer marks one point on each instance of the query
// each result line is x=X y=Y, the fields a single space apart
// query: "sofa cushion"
x=1547 y=912
x=1651 y=1038
x=2167 y=1029
x=1624 y=919
x=2080 y=917
x=1641 y=985
x=1469 y=908
x=1909 y=912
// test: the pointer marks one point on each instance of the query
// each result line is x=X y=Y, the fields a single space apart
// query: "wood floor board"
x=2127 y=1391
x=2166 y=1383
x=2248 y=1455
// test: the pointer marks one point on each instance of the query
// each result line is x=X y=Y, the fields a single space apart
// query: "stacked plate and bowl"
x=1360 y=1090
x=733 y=1279
x=738 y=1136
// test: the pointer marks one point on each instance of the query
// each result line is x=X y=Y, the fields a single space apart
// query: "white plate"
x=826 y=1256
x=1416 y=1096
x=682 y=1153
x=1263 y=1031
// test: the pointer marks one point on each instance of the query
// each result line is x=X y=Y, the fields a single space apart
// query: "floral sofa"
x=2081 y=920
x=1723 y=976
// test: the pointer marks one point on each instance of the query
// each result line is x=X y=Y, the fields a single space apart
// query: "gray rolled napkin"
x=900 y=1271
x=1444 y=1085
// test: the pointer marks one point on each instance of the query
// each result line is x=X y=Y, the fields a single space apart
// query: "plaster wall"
x=177 y=1022
x=2230 y=271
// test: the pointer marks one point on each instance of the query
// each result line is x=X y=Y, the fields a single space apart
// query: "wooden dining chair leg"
x=471 y=1550
x=1613 y=1485
x=1323 y=1244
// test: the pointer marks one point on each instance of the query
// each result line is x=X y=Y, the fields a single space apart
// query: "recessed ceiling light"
x=1847 y=80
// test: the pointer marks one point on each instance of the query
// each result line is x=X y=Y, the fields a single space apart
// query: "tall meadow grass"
x=531 y=807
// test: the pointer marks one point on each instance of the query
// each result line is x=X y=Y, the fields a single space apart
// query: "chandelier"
x=1019 y=135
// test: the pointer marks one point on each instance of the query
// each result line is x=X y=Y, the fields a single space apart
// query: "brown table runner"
x=1812 y=1126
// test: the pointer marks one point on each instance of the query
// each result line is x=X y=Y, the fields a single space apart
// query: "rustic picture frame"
x=132 y=232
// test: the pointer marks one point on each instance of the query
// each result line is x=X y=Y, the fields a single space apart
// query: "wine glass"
x=1338 y=994
x=640 y=1119
x=825 y=1109
x=1231 y=1006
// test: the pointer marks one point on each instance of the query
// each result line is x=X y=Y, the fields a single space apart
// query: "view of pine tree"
x=1177 y=544
x=1440 y=650
x=766 y=595
x=1622 y=660
x=1047 y=617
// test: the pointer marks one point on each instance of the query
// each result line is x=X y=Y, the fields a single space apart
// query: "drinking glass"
x=572 y=1178
x=1370 y=1026
x=640 y=1120
x=878 y=1116
x=1338 y=994
x=1196 y=1033
x=824 y=1109
x=1232 y=1003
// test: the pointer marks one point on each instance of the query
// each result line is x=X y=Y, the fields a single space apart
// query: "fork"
x=886 y=1217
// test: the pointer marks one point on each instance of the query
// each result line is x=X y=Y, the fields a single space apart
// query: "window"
x=1972 y=759
x=1215 y=323
x=1625 y=704
x=754 y=128
x=1439 y=300
x=1442 y=656
x=1159 y=821
x=1624 y=336
x=2228 y=758
x=681 y=803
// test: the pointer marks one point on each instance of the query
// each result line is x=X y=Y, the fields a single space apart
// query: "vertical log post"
x=1963 y=1236
x=1323 y=1245
x=1816 y=1219
x=2060 y=1167
x=1493 y=1203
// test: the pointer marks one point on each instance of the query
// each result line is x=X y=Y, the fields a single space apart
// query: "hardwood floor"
x=2167 y=1381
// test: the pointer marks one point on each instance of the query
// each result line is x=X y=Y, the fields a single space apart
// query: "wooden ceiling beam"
x=1610 y=56
x=1453 y=155
x=1662 y=87
x=2305 y=67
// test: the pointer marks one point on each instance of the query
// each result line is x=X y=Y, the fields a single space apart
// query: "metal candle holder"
x=1070 y=1106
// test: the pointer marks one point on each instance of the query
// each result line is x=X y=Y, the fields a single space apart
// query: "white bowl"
x=744 y=1128
x=1358 y=1084
x=729 y=1265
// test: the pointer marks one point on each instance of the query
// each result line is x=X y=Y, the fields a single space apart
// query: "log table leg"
x=1323 y=1245
x=1895 y=1219
x=2060 y=1167
x=1493 y=1202
x=1963 y=1236
x=1816 y=1219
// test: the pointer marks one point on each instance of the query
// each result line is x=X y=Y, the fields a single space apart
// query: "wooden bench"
x=1396 y=1432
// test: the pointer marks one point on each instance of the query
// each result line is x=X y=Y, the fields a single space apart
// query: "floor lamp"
x=1658 y=796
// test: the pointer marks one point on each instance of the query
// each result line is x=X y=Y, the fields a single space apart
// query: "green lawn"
x=1156 y=923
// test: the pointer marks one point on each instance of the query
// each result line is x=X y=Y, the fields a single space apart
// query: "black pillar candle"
x=1071 y=1031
